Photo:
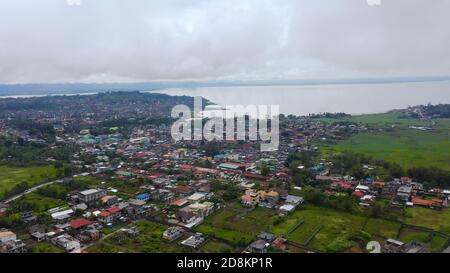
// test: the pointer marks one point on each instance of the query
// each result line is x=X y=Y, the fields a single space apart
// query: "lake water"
x=303 y=100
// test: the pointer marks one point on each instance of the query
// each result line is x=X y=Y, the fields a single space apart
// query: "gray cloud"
x=145 y=40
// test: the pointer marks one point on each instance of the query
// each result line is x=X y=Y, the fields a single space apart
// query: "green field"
x=396 y=142
x=388 y=120
x=238 y=227
x=149 y=240
x=432 y=219
x=407 y=235
x=406 y=147
x=335 y=228
x=38 y=203
x=382 y=228
x=215 y=246
x=11 y=176
x=46 y=248
x=437 y=243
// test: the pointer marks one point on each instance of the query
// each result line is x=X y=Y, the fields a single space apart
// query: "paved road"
x=30 y=190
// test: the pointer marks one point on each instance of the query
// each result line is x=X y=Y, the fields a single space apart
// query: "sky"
x=51 y=41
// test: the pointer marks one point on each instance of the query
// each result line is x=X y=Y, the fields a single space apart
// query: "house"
x=390 y=189
x=13 y=246
x=66 y=241
x=249 y=200
x=163 y=195
x=232 y=166
x=279 y=243
x=194 y=241
x=179 y=202
x=416 y=247
x=39 y=236
x=109 y=215
x=79 y=224
x=91 y=195
x=196 y=197
x=183 y=190
x=110 y=200
x=254 y=176
x=426 y=203
x=294 y=200
x=362 y=188
x=342 y=185
x=328 y=178
x=29 y=217
x=286 y=209
x=62 y=215
x=173 y=233
x=202 y=186
x=403 y=193
x=268 y=199
x=258 y=246
x=185 y=215
x=393 y=246
x=201 y=209
x=143 y=196
x=6 y=235
x=358 y=194
x=92 y=233
x=268 y=237
x=138 y=207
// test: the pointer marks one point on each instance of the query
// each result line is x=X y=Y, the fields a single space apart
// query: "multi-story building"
x=91 y=195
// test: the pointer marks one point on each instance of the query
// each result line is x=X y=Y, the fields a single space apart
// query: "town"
x=105 y=175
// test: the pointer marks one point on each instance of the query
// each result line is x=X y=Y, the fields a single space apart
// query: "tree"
x=265 y=170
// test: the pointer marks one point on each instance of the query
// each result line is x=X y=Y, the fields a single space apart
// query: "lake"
x=308 y=99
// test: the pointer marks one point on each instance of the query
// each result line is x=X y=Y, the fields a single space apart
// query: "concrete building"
x=91 y=195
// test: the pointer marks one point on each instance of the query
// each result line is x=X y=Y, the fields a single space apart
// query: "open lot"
x=334 y=228
x=433 y=219
x=398 y=143
x=408 y=235
x=406 y=147
x=38 y=203
x=215 y=246
x=387 y=120
x=149 y=240
x=238 y=227
x=382 y=228
x=11 y=176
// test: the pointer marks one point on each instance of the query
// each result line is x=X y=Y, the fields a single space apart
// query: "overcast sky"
x=147 y=40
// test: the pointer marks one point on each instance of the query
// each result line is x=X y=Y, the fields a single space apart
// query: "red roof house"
x=79 y=223
x=358 y=194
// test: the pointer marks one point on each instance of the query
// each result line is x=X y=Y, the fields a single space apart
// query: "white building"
x=6 y=235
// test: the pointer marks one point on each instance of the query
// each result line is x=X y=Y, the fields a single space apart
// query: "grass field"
x=436 y=220
x=382 y=228
x=333 y=236
x=149 y=240
x=389 y=119
x=236 y=226
x=39 y=203
x=408 y=235
x=407 y=147
x=11 y=176
x=214 y=246
x=437 y=243
x=398 y=143
x=46 y=248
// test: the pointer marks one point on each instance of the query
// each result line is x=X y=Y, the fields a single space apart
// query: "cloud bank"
x=149 y=40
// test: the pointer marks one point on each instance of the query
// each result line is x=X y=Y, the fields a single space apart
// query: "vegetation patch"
x=382 y=228
x=437 y=220
x=11 y=177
